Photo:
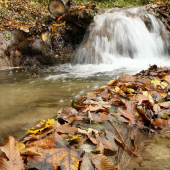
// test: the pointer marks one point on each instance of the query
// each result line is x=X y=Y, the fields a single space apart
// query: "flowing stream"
x=119 y=41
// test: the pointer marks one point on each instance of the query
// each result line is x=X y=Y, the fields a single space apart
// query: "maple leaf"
x=67 y=159
x=50 y=142
x=101 y=162
x=14 y=160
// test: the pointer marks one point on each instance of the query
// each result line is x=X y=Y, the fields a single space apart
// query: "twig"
x=123 y=141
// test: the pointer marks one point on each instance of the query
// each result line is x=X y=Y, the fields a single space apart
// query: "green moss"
x=108 y=3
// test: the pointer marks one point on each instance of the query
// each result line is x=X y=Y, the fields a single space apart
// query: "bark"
x=80 y=17
x=57 y=7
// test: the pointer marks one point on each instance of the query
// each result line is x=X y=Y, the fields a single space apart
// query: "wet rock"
x=54 y=46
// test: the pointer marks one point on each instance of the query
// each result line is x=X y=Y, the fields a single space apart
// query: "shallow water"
x=25 y=98
x=119 y=42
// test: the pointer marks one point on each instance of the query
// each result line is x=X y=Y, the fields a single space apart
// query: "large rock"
x=55 y=45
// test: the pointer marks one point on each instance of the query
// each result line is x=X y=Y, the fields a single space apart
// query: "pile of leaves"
x=17 y=13
x=141 y=100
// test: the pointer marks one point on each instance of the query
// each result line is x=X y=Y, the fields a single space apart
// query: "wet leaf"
x=95 y=108
x=67 y=159
x=101 y=162
x=43 y=125
x=53 y=141
x=86 y=162
x=99 y=117
x=74 y=137
x=67 y=129
x=14 y=160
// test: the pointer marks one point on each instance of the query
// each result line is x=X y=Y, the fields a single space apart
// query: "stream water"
x=119 y=41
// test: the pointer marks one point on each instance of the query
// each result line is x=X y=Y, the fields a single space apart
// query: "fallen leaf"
x=53 y=141
x=67 y=159
x=160 y=123
x=44 y=36
x=43 y=126
x=14 y=160
x=165 y=104
x=33 y=151
x=101 y=162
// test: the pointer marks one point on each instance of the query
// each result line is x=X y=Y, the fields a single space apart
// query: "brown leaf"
x=99 y=117
x=165 y=104
x=105 y=142
x=50 y=142
x=33 y=151
x=95 y=108
x=44 y=36
x=14 y=161
x=67 y=159
x=16 y=52
x=91 y=96
x=127 y=78
x=86 y=162
x=160 y=123
x=100 y=147
x=67 y=129
x=140 y=98
x=101 y=162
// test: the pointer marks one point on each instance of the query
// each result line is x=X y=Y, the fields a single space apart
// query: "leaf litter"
x=54 y=144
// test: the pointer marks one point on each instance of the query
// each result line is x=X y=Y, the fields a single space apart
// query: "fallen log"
x=80 y=15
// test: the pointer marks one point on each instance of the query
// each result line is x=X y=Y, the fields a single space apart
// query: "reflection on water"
x=26 y=98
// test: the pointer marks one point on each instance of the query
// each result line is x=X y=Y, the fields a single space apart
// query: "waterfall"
x=123 y=36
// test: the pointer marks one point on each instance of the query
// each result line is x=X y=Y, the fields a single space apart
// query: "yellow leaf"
x=137 y=114
x=20 y=146
x=156 y=82
x=164 y=84
x=163 y=94
x=130 y=90
x=74 y=137
x=117 y=89
x=146 y=93
x=48 y=123
x=44 y=37
x=6 y=5
x=24 y=28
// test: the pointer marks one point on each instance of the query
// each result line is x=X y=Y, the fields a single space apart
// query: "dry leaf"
x=44 y=36
x=14 y=160
x=101 y=162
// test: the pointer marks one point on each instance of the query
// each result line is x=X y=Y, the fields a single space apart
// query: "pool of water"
x=30 y=94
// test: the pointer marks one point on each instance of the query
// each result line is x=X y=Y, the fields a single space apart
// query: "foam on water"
x=129 y=39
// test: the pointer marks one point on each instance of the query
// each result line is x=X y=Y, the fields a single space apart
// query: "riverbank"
x=31 y=36
x=110 y=122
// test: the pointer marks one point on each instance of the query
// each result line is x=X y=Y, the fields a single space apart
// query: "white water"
x=119 y=39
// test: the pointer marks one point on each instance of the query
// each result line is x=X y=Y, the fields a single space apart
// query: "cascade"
x=124 y=36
